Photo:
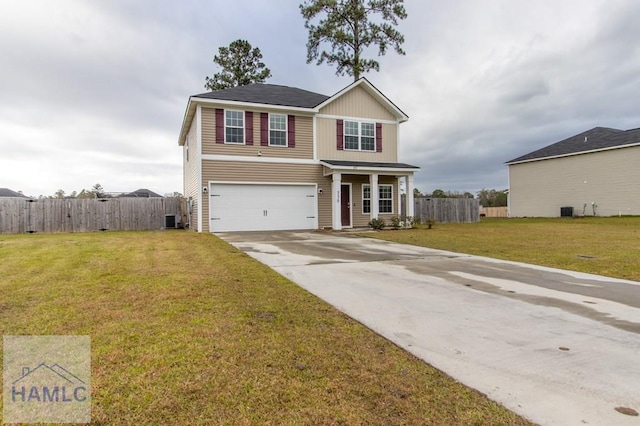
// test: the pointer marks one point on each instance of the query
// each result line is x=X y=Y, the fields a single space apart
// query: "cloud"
x=96 y=91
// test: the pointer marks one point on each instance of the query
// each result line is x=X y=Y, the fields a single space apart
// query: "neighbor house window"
x=234 y=127
x=385 y=199
x=359 y=136
x=277 y=130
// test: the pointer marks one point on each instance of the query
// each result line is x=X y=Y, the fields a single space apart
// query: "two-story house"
x=269 y=157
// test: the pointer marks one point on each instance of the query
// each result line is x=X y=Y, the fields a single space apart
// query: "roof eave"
x=253 y=105
x=368 y=168
x=571 y=154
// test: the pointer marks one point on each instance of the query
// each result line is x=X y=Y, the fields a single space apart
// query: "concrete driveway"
x=557 y=347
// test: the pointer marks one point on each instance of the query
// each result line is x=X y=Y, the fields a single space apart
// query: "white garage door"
x=249 y=207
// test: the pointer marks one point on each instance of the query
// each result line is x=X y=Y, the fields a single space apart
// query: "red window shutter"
x=219 y=125
x=378 y=137
x=264 y=129
x=340 y=134
x=248 y=127
x=291 y=131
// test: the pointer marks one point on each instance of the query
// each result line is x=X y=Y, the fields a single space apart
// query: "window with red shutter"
x=291 y=131
x=248 y=127
x=340 y=134
x=264 y=129
x=219 y=125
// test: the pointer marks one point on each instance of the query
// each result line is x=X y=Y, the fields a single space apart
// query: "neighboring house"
x=141 y=193
x=269 y=157
x=593 y=173
x=6 y=192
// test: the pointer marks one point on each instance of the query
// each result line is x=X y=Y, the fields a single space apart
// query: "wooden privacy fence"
x=447 y=209
x=494 y=212
x=23 y=215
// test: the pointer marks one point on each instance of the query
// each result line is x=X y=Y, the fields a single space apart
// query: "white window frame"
x=359 y=135
x=380 y=199
x=226 y=126
x=285 y=130
x=366 y=185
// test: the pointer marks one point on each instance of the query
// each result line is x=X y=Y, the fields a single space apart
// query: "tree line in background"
x=96 y=191
x=486 y=197
x=340 y=31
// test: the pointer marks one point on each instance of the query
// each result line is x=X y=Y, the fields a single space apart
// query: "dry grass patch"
x=605 y=246
x=185 y=329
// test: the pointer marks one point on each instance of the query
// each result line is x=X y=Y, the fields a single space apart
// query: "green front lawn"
x=185 y=329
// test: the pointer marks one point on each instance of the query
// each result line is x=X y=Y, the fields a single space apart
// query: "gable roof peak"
x=595 y=139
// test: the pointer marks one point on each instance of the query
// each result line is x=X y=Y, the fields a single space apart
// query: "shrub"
x=377 y=223
x=396 y=223
x=409 y=222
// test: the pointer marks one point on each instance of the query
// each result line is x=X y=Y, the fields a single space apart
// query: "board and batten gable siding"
x=327 y=147
x=303 y=138
x=358 y=103
x=191 y=171
x=610 y=178
x=255 y=172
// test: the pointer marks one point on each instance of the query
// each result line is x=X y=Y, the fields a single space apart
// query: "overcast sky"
x=95 y=91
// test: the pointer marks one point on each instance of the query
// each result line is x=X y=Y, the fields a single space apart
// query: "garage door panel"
x=250 y=207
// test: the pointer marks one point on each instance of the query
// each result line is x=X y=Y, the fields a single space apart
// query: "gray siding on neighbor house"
x=610 y=178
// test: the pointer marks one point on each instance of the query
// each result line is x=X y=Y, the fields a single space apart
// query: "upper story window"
x=277 y=130
x=359 y=136
x=234 y=126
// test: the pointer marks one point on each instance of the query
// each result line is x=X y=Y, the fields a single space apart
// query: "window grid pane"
x=277 y=129
x=366 y=199
x=368 y=144
x=351 y=128
x=385 y=202
x=276 y=137
x=234 y=126
x=351 y=142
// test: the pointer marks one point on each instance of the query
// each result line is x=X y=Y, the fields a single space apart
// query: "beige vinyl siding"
x=611 y=179
x=362 y=219
x=250 y=172
x=327 y=144
x=303 y=131
x=358 y=103
x=191 y=169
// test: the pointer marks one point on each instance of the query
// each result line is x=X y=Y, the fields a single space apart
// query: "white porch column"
x=336 y=207
x=375 y=205
x=410 y=202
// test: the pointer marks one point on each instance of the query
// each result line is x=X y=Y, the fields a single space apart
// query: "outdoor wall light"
x=205 y=189
x=319 y=191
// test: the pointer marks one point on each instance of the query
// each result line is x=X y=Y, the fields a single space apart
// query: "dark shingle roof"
x=270 y=94
x=598 y=138
x=369 y=164
x=141 y=193
x=6 y=192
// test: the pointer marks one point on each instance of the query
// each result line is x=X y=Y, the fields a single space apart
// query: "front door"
x=345 y=205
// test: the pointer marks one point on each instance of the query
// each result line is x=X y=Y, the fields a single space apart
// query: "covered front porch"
x=362 y=191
